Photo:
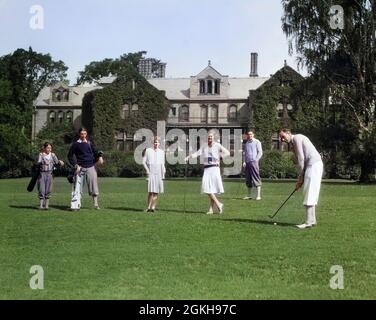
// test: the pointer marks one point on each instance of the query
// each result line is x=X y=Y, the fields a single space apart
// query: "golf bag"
x=76 y=191
x=35 y=171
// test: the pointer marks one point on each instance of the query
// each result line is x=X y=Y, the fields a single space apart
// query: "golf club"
x=271 y=217
x=185 y=182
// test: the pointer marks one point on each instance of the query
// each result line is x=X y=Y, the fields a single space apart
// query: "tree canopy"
x=337 y=45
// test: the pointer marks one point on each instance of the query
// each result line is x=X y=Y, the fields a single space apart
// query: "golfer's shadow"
x=267 y=222
x=24 y=207
x=58 y=207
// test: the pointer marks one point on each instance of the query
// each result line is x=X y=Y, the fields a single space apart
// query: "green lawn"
x=121 y=252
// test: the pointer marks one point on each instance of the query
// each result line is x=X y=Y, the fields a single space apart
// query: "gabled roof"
x=76 y=94
x=209 y=71
x=178 y=88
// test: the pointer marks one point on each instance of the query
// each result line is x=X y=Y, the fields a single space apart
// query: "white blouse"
x=211 y=155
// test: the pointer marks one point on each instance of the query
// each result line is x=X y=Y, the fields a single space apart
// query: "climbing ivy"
x=102 y=108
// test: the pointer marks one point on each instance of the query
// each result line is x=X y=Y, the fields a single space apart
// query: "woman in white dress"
x=154 y=164
x=211 y=180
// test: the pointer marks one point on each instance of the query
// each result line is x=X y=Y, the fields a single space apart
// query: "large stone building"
x=206 y=100
x=59 y=103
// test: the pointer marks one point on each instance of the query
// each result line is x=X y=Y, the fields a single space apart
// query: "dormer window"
x=209 y=86
x=60 y=94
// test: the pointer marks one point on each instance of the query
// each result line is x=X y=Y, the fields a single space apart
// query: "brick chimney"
x=253 y=72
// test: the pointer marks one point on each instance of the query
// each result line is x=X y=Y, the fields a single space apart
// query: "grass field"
x=121 y=252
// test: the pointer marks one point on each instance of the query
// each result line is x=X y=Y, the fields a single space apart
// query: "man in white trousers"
x=311 y=169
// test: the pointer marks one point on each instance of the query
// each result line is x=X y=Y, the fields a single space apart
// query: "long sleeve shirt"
x=304 y=151
x=82 y=153
x=252 y=150
x=211 y=155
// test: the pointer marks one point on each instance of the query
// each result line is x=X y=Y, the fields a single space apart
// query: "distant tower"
x=254 y=56
x=152 y=68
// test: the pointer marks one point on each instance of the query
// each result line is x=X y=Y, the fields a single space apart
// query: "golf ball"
x=275 y=223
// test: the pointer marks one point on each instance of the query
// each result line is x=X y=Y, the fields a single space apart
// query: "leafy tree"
x=345 y=59
x=98 y=69
x=23 y=74
x=27 y=73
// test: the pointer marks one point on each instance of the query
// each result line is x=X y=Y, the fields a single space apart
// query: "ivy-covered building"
x=114 y=109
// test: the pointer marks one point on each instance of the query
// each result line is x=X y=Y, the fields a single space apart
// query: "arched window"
x=60 y=116
x=204 y=114
x=134 y=109
x=69 y=116
x=184 y=113
x=52 y=117
x=213 y=113
x=233 y=113
x=280 y=110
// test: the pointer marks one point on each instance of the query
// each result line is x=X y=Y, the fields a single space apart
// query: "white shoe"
x=220 y=208
x=209 y=212
x=304 y=225
x=258 y=198
x=247 y=198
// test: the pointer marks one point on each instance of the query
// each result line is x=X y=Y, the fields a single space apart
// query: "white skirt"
x=212 y=181
x=155 y=183
x=312 y=184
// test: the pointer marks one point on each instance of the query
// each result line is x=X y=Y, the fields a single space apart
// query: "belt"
x=211 y=165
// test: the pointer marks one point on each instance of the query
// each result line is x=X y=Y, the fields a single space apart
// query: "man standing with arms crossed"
x=310 y=172
x=252 y=151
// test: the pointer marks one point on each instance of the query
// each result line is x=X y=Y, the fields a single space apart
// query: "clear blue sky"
x=183 y=33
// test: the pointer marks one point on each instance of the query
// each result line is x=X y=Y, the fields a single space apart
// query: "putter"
x=272 y=216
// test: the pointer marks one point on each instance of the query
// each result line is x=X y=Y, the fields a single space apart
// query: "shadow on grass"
x=267 y=222
x=179 y=211
x=25 y=207
x=156 y=211
x=36 y=208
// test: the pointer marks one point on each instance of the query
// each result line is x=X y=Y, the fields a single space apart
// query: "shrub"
x=277 y=165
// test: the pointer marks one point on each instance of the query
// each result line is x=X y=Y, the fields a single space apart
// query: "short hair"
x=250 y=130
x=156 y=139
x=82 y=129
x=46 y=144
x=285 y=130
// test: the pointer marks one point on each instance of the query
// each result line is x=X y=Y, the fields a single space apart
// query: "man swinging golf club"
x=311 y=168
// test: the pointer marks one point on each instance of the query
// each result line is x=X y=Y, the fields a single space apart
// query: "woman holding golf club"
x=211 y=154
x=154 y=164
